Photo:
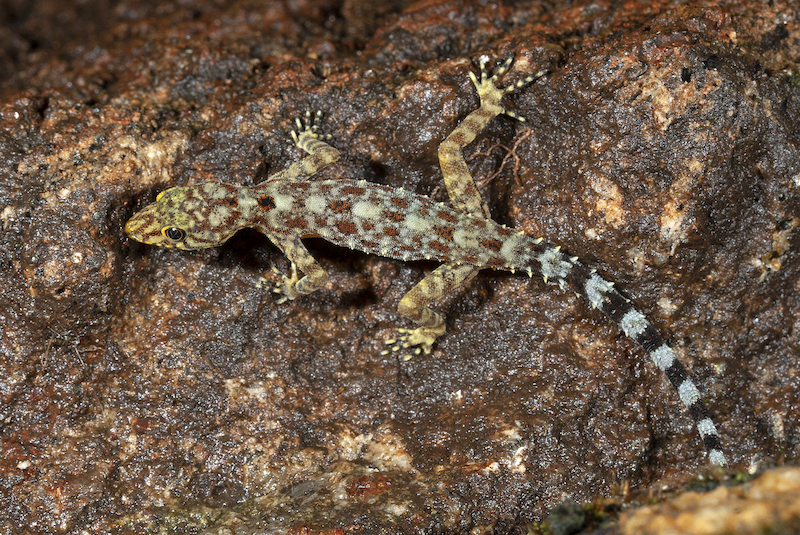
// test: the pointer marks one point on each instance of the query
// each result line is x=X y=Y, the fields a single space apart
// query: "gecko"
x=396 y=223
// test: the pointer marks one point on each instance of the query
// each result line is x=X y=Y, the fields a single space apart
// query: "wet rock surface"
x=146 y=390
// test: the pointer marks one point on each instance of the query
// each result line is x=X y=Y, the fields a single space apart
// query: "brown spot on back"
x=496 y=263
x=492 y=245
x=346 y=227
x=368 y=486
x=439 y=246
x=227 y=201
x=391 y=232
x=295 y=222
x=370 y=244
x=399 y=202
x=339 y=206
x=267 y=202
x=446 y=233
x=394 y=217
x=353 y=190
x=300 y=185
x=447 y=216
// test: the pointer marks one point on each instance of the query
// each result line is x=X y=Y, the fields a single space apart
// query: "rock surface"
x=770 y=504
x=145 y=390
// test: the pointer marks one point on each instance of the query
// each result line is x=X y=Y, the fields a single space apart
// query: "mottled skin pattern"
x=396 y=223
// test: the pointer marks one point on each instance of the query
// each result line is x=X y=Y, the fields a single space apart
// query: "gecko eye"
x=174 y=233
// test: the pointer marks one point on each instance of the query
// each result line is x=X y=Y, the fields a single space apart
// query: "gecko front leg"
x=307 y=136
x=320 y=154
x=292 y=287
x=285 y=288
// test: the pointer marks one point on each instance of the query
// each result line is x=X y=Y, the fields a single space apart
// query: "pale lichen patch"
x=673 y=228
x=609 y=199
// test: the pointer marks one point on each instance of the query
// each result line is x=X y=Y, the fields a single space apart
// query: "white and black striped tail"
x=601 y=294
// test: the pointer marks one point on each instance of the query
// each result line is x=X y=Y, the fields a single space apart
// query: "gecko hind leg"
x=489 y=92
x=465 y=197
x=414 y=305
x=460 y=184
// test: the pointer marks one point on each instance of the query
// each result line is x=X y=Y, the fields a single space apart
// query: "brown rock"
x=144 y=389
x=769 y=504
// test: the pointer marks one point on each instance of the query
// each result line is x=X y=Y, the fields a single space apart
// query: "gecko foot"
x=491 y=95
x=307 y=128
x=417 y=341
x=285 y=287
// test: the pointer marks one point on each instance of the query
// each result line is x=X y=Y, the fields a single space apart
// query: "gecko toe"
x=414 y=341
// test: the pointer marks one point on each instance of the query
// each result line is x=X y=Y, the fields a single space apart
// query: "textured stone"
x=144 y=389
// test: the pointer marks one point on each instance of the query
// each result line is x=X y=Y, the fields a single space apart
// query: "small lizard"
x=396 y=223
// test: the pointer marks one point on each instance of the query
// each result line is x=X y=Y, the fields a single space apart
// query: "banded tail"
x=565 y=271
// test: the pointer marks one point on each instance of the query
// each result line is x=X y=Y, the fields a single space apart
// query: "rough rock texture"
x=146 y=390
x=770 y=504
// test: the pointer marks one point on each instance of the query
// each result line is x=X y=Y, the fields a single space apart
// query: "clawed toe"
x=489 y=91
x=308 y=126
x=285 y=287
x=416 y=341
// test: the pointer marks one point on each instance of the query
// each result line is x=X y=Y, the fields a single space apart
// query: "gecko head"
x=188 y=217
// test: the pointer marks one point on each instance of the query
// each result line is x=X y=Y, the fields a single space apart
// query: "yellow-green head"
x=190 y=217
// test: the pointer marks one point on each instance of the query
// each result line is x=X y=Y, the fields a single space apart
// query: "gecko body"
x=396 y=223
